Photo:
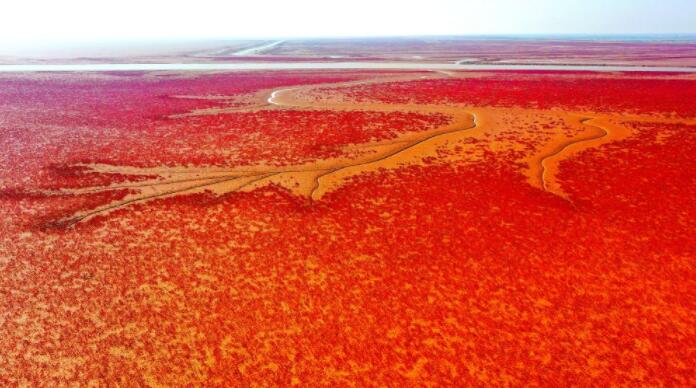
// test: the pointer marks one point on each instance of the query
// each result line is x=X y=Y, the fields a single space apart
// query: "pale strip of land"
x=322 y=66
x=258 y=49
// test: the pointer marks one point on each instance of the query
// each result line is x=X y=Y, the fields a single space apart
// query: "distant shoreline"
x=325 y=66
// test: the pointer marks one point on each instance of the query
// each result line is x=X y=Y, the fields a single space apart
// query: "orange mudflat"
x=360 y=228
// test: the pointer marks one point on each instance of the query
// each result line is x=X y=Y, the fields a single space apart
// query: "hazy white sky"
x=28 y=21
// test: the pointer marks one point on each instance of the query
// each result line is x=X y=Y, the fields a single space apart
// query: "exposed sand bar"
x=258 y=49
x=324 y=66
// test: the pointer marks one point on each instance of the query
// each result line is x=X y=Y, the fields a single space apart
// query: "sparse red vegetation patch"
x=51 y=121
x=646 y=93
x=519 y=51
x=271 y=137
x=452 y=269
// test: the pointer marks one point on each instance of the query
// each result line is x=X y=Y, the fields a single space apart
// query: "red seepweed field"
x=348 y=228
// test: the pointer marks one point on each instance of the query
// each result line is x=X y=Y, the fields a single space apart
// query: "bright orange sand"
x=359 y=228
